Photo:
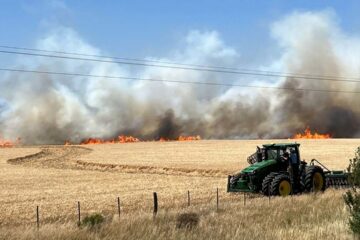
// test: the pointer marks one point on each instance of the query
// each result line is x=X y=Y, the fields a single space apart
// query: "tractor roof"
x=282 y=145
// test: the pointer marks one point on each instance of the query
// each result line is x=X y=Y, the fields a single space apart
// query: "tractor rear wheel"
x=281 y=185
x=315 y=179
x=266 y=183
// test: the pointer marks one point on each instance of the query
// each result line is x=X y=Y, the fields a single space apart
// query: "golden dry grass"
x=60 y=176
x=226 y=155
x=299 y=217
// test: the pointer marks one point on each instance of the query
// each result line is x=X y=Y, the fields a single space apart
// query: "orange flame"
x=189 y=138
x=120 y=139
x=7 y=143
x=309 y=135
x=181 y=138
x=130 y=139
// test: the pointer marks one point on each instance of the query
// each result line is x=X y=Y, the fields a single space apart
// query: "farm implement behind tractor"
x=276 y=169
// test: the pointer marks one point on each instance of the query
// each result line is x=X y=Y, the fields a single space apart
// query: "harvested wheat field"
x=56 y=177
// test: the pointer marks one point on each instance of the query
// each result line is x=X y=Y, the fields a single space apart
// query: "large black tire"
x=315 y=179
x=266 y=183
x=281 y=185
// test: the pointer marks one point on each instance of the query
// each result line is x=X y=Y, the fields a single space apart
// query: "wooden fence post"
x=244 y=198
x=79 y=214
x=118 y=202
x=188 y=198
x=37 y=217
x=155 y=203
x=217 y=199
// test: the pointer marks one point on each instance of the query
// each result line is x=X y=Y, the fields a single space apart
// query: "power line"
x=137 y=59
x=124 y=58
x=186 y=68
x=325 y=77
x=178 y=81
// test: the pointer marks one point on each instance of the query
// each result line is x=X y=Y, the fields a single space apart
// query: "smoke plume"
x=42 y=108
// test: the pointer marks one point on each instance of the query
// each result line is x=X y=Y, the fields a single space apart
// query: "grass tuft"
x=93 y=221
x=187 y=220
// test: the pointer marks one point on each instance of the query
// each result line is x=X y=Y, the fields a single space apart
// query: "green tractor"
x=271 y=173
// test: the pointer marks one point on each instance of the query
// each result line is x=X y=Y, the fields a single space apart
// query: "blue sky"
x=152 y=28
x=300 y=37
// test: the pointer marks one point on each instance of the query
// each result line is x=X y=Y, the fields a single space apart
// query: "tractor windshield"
x=271 y=153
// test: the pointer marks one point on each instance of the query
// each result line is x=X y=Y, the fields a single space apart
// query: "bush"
x=352 y=196
x=92 y=221
x=187 y=220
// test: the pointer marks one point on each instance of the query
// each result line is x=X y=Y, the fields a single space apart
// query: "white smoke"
x=52 y=109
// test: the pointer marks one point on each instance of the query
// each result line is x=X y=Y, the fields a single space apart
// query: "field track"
x=63 y=157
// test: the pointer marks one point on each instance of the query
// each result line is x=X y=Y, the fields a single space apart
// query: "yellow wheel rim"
x=318 y=181
x=284 y=188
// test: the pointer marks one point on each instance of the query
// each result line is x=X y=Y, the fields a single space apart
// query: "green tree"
x=352 y=196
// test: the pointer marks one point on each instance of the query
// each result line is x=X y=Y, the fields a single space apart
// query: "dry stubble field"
x=56 y=177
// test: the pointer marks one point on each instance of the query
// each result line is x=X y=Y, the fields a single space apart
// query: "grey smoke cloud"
x=314 y=44
x=51 y=109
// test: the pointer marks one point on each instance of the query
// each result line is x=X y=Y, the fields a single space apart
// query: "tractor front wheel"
x=315 y=179
x=281 y=185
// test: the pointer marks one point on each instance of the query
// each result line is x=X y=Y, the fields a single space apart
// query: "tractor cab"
x=275 y=152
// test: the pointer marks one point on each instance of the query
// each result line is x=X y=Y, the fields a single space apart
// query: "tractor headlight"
x=253 y=172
